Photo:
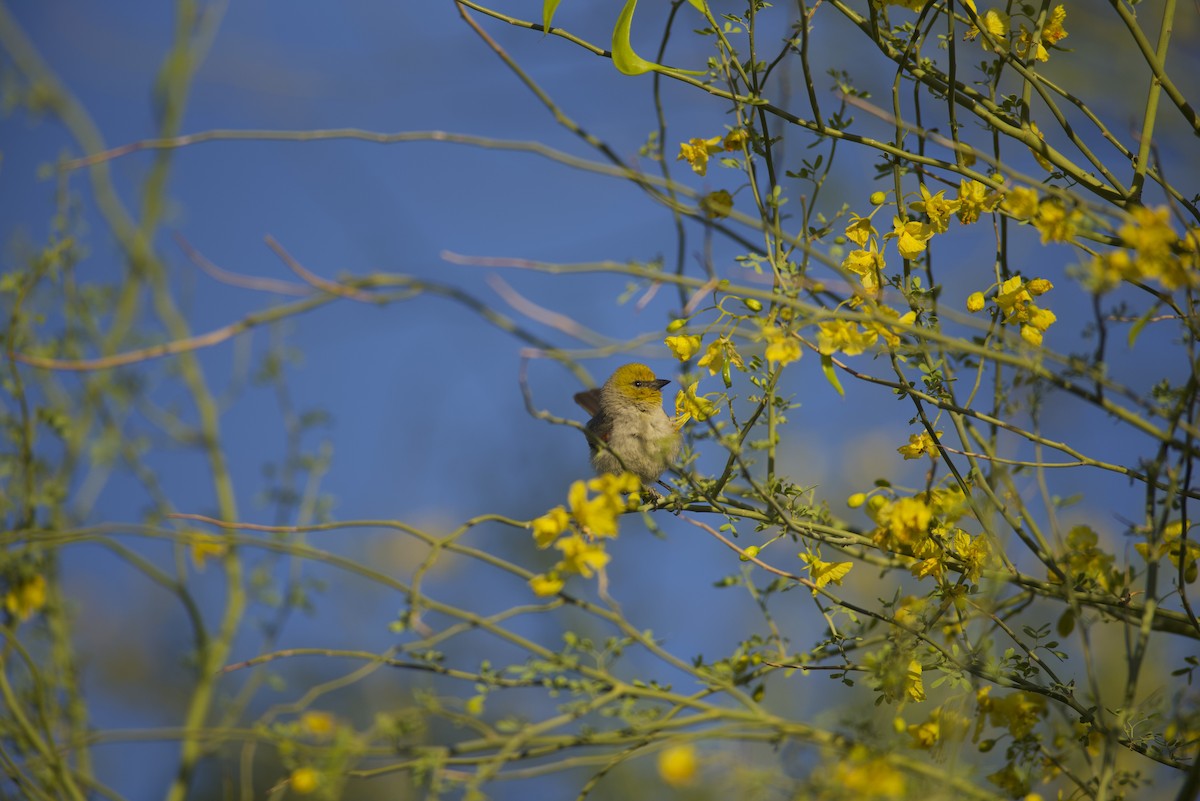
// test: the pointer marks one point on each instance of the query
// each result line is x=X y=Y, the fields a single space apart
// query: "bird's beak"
x=659 y=383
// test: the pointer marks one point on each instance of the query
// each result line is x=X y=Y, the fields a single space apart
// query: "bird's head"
x=636 y=382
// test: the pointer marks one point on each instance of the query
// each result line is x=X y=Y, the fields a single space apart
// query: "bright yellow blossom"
x=782 y=347
x=719 y=353
x=318 y=724
x=696 y=152
x=735 y=139
x=27 y=597
x=689 y=405
x=717 y=205
x=995 y=22
x=205 y=546
x=975 y=302
x=973 y=199
x=547 y=527
x=844 y=336
x=1055 y=223
x=910 y=236
x=546 y=584
x=919 y=445
x=678 y=765
x=684 y=346
x=305 y=780
x=1044 y=162
x=859 y=230
x=937 y=208
x=1021 y=202
x=598 y=516
x=581 y=556
x=824 y=572
x=868 y=265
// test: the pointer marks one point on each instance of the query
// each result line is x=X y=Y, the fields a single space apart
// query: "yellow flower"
x=598 y=516
x=739 y=136
x=697 y=151
x=1052 y=32
x=318 y=724
x=974 y=553
x=1012 y=295
x=973 y=198
x=546 y=584
x=1154 y=241
x=1039 y=286
x=1021 y=202
x=845 y=336
x=719 y=353
x=782 y=347
x=995 y=22
x=925 y=735
x=581 y=556
x=689 y=405
x=1041 y=319
x=914 y=687
x=205 y=546
x=1031 y=335
x=26 y=597
x=547 y=527
x=919 y=445
x=824 y=572
x=783 y=351
x=717 y=205
x=910 y=236
x=868 y=265
x=1045 y=163
x=868 y=779
x=677 y=765
x=1019 y=712
x=937 y=208
x=1055 y=223
x=683 y=346
x=859 y=230
x=305 y=780
x=975 y=302
x=903 y=524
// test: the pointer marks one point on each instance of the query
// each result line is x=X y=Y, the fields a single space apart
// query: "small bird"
x=629 y=431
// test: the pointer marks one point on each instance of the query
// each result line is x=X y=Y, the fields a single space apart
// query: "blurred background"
x=413 y=411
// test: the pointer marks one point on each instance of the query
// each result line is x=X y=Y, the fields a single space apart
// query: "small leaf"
x=548 y=9
x=629 y=62
x=830 y=375
x=1137 y=327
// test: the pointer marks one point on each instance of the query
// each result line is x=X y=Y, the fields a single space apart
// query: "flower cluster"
x=1173 y=546
x=1153 y=252
x=924 y=527
x=998 y=26
x=696 y=152
x=1014 y=302
x=576 y=529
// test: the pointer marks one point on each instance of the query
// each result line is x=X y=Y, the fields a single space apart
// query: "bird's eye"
x=639 y=384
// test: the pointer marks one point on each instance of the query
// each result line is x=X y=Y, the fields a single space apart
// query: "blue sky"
x=427 y=422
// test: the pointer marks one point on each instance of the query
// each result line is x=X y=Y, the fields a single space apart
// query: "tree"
x=1003 y=611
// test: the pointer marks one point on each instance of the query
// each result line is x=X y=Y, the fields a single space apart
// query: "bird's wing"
x=589 y=399
x=599 y=429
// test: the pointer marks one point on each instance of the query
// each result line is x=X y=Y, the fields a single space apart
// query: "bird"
x=628 y=429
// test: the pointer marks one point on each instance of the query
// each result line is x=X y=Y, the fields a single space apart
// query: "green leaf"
x=630 y=63
x=830 y=375
x=624 y=59
x=548 y=9
x=1137 y=327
